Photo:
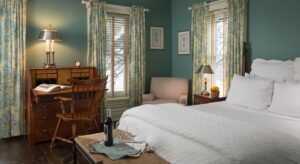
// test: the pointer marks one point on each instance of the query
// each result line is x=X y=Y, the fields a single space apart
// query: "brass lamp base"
x=205 y=93
x=49 y=65
x=50 y=60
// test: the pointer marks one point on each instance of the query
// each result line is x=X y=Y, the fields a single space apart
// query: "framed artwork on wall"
x=157 y=38
x=184 y=43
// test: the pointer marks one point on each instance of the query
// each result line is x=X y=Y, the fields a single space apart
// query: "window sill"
x=117 y=98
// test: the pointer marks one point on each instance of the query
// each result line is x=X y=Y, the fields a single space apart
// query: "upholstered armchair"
x=167 y=90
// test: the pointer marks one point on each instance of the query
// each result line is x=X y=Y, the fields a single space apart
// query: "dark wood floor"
x=17 y=151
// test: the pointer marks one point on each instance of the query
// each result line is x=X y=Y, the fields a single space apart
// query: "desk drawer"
x=85 y=75
x=45 y=129
x=46 y=71
x=41 y=76
x=43 y=134
x=52 y=75
x=75 y=75
x=46 y=108
x=46 y=121
x=80 y=70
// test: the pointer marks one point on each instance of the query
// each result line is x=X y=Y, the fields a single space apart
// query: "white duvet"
x=185 y=135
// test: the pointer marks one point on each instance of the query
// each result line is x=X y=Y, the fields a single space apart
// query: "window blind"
x=117 y=40
x=218 y=47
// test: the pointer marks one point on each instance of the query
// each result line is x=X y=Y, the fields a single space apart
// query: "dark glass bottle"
x=108 y=129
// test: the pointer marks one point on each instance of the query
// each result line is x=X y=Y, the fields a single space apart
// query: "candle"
x=47 y=45
x=52 y=45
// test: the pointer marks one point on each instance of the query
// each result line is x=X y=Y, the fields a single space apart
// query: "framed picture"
x=157 y=38
x=184 y=43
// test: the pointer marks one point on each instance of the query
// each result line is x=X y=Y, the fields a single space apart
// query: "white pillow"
x=264 y=78
x=273 y=69
x=250 y=92
x=286 y=99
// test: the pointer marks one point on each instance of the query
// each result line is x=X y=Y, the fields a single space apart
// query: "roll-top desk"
x=42 y=107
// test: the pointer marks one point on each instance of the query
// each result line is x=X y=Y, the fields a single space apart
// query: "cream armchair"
x=167 y=90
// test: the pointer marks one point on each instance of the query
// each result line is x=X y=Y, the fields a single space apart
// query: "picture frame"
x=157 y=38
x=184 y=47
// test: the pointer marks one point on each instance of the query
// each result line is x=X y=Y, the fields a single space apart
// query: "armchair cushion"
x=160 y=101
x=148 y=97
x=169 y=88
x=182 y=100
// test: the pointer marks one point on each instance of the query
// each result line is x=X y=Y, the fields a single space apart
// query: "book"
x=51 y=87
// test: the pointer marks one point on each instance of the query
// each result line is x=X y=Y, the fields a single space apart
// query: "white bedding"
x=216 y=133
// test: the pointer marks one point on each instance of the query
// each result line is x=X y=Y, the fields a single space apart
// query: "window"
x=218 y=31
x=117 y=50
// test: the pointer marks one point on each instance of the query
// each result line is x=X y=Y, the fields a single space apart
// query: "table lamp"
x=50 y=35
x=205 y=69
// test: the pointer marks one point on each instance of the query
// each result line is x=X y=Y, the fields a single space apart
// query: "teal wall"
x=273 y=31
x=69 y=16
x=181 y=21
x=66 y=15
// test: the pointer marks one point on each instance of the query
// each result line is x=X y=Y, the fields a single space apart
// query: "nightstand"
x=201 y=99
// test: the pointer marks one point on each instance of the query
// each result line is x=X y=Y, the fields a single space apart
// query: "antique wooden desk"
x=81 y=145
x=41 y=107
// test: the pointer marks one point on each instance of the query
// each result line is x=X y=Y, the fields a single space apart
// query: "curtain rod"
x=87 y=2
x=210 y=3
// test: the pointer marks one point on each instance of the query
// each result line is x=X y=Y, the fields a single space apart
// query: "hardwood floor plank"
x=50 y=154
x=15 y=150
x=37 y=154
x=18 y=151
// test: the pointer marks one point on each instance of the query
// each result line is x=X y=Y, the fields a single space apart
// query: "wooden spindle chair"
x=84 y=105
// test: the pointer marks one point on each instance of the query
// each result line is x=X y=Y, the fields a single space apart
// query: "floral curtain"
x=199 y=42
x=137 y=56
x=12 y=64
x=237 y=35
x=96 y=55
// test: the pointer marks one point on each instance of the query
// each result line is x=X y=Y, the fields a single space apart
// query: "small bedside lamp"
x=50 y=35
x=205 y=69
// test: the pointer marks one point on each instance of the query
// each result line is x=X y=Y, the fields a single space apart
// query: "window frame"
x=220 y=9
x=112 y=93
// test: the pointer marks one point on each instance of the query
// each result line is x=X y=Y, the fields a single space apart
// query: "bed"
x=223 y=132
x=216 y=133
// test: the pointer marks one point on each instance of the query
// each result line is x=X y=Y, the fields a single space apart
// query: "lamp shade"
x=50 y=34
x=205 y=69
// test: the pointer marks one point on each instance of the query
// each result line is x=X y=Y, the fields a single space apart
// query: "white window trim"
x=119 y=103
x=222 y=8
x=218 y=5
x=112 y=99
x=118 y=9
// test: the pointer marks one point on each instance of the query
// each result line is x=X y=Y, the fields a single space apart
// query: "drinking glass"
x=132 y=130
x=116 y=132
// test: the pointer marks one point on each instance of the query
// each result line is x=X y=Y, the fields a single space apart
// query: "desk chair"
x=84 y=105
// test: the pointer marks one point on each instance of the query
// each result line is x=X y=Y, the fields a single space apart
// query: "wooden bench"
x=81 y=145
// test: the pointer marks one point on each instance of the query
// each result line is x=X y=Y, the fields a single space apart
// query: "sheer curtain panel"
x=199 y=42
x=12 y=67
x=96 y=55
x=237 y=35
x=137 y=56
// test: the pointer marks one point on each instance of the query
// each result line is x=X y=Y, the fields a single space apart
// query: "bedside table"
x=201 y=99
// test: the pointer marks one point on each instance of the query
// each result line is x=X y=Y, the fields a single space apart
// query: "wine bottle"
x=108 y=128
